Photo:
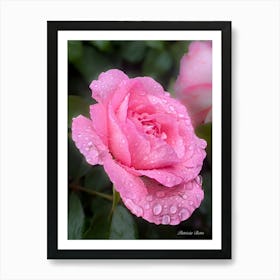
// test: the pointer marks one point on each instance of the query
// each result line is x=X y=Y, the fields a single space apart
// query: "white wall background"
x=255 y=101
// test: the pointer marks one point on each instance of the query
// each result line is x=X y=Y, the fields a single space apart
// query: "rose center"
x=149 y=125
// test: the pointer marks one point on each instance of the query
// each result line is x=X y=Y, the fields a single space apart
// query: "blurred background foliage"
x=95 y=210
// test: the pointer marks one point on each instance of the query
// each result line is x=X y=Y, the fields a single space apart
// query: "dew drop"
x=183 y=214
x=149 y=198
x=185 y=196
x=139 y=210
x=157 y=209
x=165 y=220
x=173 y=209
x=135 y=209
x=171 y=108
x=147 y=206
x=198 y=180
x=190 y=202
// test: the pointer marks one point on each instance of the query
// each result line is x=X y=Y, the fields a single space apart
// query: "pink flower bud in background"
x=193 y=86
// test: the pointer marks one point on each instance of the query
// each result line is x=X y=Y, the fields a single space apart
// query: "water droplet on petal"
x=171 y=108
x=149 y=198
x=147 y=206
x=173 y=209
x=135 y=209
x=198 y=180
x=157 y=209
x=190 y=202
x=165 y=220
x=185 y=196
x=183 y=214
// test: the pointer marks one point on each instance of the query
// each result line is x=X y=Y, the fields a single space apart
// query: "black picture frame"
x=52 y=126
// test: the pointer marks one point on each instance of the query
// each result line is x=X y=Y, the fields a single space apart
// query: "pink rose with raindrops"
x=145 y=140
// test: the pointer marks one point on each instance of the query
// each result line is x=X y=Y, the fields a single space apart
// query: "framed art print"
x=139 y=140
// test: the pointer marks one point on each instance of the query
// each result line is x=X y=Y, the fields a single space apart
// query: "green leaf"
x=75 y=51
x=97 y=179
x=170 y=88
x=76 y=106
x=156 y=63
x=133 y=51
x=177 y=50
x=77 y=165
x=92 y=63
x=116 y=199
x=123 y=225
x=204 y=131
x=104 y=46
x=100 y=223
x=158 y=45
x=75 y=217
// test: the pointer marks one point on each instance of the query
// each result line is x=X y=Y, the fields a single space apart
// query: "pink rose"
x=194 y=83
x=146 y=143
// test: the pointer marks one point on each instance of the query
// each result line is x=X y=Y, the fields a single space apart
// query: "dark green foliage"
x=75 y=217
x=123 y=225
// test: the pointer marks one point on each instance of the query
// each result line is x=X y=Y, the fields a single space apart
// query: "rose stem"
x=103 y=195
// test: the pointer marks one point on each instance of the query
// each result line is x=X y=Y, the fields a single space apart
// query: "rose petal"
x=87 y=141
x=106 y=85
x=196 y=65
x=122 y=110
x=163 y=176
x=198 y=101
x=118 y=144
x=194 y=83
x=177 y=173
x=99 y=121
x=163 y=205
x=148 y=86
x=149 y=97
x=128 y=185
x=146 y=152
x=208 y=118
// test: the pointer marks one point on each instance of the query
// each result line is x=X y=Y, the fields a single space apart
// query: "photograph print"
x=137 y=176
